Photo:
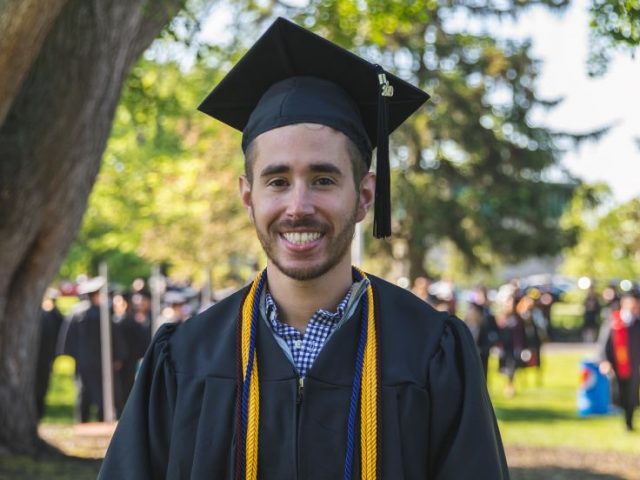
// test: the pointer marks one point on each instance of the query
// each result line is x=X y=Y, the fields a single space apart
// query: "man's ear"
x=367 y=193
x=244 y=185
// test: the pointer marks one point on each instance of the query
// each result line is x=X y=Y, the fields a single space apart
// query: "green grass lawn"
x=61 y=396
x=545 y=414
x=567 y=315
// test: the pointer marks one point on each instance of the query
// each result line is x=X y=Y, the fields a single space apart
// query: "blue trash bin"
x=593 y=393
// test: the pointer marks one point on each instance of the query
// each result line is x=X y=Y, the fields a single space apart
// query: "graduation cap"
x=91 y=286
x=175 y=297
x=292 y=76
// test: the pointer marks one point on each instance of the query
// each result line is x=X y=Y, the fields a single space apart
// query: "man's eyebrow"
x=274 y=170
x=277 y=169
x=325 y=168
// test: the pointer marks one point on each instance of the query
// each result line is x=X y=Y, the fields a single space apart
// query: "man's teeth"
x=301 y=237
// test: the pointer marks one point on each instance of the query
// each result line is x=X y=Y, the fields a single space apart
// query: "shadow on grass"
x=559 y=473
x=19 y=467
x=538 y=415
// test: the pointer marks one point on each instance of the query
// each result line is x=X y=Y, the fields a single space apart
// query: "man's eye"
x=325 y=181
x=277 y=182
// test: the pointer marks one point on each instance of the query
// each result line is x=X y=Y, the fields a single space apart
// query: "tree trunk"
x=24 y=25
x=51 y=145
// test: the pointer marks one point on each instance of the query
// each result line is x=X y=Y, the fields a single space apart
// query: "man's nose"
x=300 y=202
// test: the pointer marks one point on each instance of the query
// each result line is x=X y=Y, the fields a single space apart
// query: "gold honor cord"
x=369 y=385
x=253 y=416
x=369 y=394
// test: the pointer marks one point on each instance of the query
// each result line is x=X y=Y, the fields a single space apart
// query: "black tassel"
x=382 y=207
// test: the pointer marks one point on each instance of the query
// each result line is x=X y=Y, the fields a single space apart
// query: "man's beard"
x=335 y=251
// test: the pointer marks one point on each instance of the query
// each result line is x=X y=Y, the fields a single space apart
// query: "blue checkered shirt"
x=306 y=346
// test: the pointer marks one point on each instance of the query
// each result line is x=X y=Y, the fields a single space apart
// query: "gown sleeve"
x=140 y=445
x=464 y=434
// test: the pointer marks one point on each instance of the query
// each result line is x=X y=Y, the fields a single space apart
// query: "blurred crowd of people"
x=516 y=321
x=513 y=322
x=79 y=336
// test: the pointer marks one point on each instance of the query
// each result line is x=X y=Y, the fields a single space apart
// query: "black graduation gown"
x=131 y=339
x=437 y=419
x=82 y=341
x=50 y=323
x=633 y=397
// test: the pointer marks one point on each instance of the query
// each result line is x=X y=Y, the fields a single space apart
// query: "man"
x=621 y=353
x=141 y=303
x=177 y=307
x=50 y=322
x=316 y=370
x=483 y=326
x=82 y=342
x=126 y=333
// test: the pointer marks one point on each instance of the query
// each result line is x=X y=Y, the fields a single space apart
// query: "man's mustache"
x=308 y=223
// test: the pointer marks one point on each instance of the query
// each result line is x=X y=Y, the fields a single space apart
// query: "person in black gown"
x=51 y=321
x=621 y=353
x=316 y=370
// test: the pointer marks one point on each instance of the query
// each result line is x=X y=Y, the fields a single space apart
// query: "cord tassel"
x=250 y=395
x=382 y=207
x=365 y=397
x=365 y=394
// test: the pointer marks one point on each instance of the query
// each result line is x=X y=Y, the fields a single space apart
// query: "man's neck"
x=298 y=300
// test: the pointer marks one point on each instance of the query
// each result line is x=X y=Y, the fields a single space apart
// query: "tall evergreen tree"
x=615 y=26
x=470 y=167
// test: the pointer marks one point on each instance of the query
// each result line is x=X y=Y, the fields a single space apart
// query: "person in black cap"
x=316 y=370
x=82 y=341
x=141 y=308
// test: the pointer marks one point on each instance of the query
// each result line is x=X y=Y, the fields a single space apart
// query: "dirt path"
x=86 y=440
x=535 y=463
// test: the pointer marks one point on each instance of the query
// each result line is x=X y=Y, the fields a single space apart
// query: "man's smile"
x=301 y=238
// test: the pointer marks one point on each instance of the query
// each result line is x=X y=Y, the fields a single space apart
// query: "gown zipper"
x=300 y=389
x=299 y=398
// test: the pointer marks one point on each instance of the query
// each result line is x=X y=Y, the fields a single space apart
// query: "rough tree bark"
x=51 y=144
x=24 y=25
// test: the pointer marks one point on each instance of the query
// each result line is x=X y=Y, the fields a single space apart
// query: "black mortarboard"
x=291 y=76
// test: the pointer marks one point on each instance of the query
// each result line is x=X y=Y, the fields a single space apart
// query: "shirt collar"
x=358 y=289
x=272 y=309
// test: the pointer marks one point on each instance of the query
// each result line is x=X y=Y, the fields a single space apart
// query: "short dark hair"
x=358 y=161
